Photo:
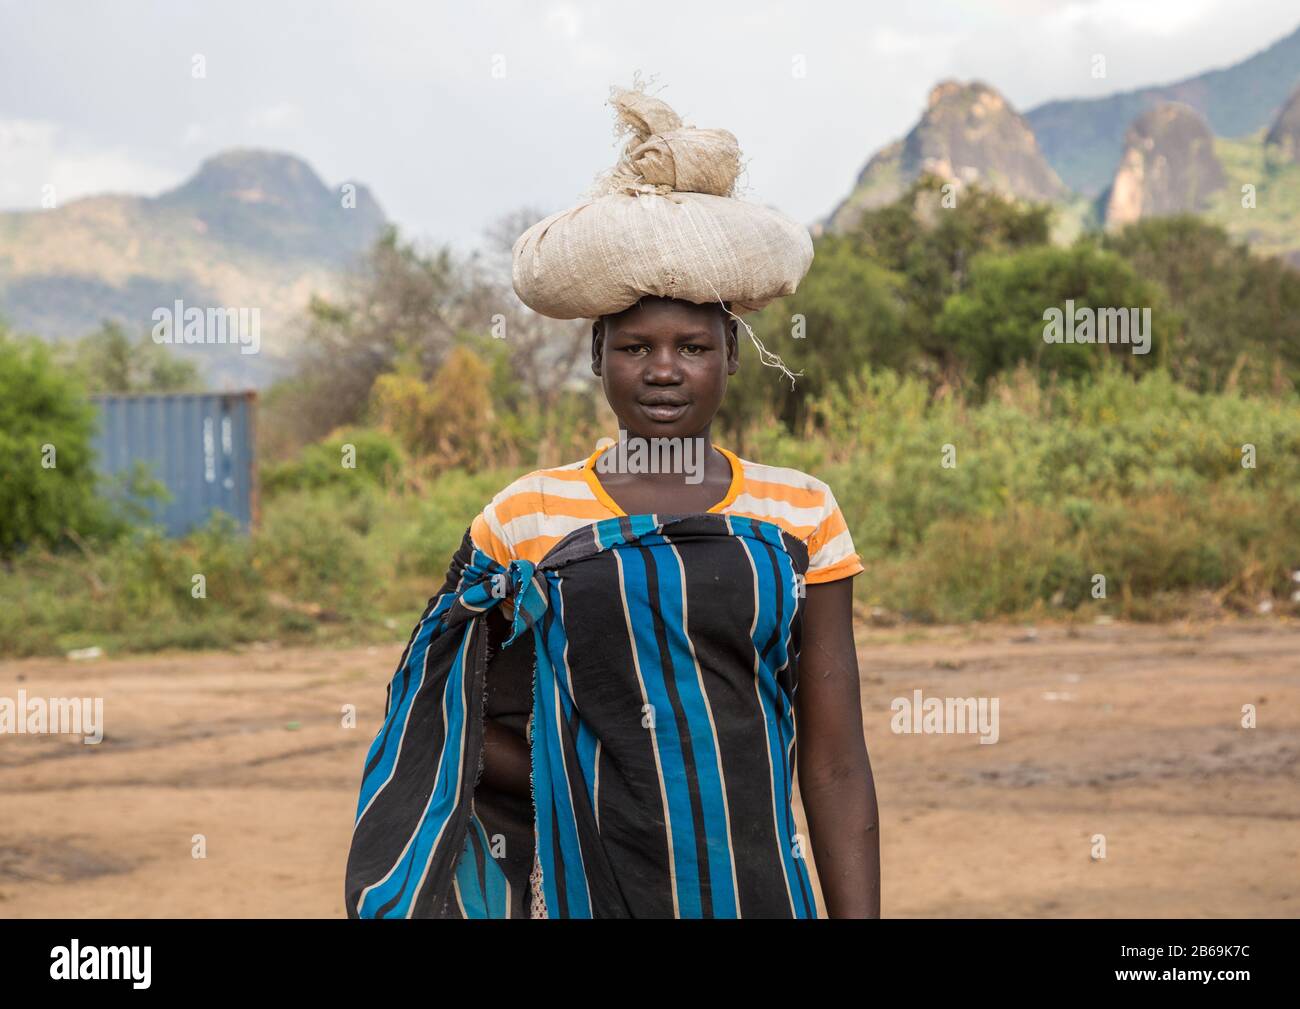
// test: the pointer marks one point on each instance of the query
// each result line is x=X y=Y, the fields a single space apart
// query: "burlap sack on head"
x=662 y=222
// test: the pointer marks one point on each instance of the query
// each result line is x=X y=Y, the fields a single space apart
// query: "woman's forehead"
x=655 y=308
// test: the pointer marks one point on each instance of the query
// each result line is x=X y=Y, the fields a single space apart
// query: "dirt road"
x=1124 y=736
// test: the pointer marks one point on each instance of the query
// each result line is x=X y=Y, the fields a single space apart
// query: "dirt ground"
x=1129 y=732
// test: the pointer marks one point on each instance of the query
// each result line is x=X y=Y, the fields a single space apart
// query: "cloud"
x=402 y=95
x=278 y=116
x=35 y=154
x=891 y=42
x=564 y=20
x=109 y=171
x=1151 y=17
x=24 y=144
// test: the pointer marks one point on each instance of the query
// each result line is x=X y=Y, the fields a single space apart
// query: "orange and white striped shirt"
x=539 y=509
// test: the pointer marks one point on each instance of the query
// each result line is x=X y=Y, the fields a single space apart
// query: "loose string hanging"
x=765 y=356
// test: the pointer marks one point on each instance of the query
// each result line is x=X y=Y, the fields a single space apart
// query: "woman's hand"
x=835 y=783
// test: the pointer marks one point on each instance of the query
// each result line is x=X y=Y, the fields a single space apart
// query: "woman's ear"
x=597 y=346
x=733 y=346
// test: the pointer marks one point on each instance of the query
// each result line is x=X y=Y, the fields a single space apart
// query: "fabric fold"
x=662 y=741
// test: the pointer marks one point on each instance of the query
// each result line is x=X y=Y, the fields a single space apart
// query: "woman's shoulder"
x=533 y=511
x=785 y=484
x=541 y=481
x=805 y=507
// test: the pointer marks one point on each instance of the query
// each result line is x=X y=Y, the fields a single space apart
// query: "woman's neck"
x=664 y=474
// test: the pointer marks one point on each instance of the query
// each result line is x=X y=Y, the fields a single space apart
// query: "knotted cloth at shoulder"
x=663 y=221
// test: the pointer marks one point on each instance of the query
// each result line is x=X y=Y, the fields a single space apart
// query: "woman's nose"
x=663 y=366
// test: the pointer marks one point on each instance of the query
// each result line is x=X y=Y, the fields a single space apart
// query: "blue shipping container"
x=199 y=445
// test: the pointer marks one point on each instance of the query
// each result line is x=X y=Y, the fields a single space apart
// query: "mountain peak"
x=275 y=202
x=973 y=96
x=968 y=133
x=252 y=228
x=1168 y=167
x=1285 y=131
x=252 y=176
x=1084 y=137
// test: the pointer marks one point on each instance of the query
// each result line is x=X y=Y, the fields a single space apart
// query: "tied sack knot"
x=664 y=156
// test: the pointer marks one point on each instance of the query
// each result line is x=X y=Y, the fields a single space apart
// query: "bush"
x=1240 y=311
x=309 y=548
x=428 y=545
x=849 y=312
x=1140 y=480
x=998 y=321
x=47 y=478
x=973 y=567
x=350 y=461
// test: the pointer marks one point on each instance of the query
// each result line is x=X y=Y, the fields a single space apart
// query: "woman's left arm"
x=835 y=783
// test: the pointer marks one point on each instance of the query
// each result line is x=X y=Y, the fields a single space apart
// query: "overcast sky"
x=402 y=96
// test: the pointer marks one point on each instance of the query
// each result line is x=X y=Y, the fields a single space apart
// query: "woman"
x=596 y=715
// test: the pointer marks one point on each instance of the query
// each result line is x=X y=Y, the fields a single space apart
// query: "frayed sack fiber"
x=664 y=221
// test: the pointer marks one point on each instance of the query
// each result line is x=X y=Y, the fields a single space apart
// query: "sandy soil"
x=1128 y=732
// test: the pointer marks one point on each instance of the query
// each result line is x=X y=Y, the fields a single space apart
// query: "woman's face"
x=664 y=365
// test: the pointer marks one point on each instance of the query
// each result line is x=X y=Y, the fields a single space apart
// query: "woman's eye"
x=693 y=349
x=636 y=350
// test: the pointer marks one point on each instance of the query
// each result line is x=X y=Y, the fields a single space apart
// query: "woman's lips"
x=665 y=412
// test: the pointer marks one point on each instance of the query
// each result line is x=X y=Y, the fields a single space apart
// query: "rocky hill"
x=1168 y=156
x=251 y=229
x=1169 y=166
x=968 y=133
x=1083 y=138
x=1261 y=201
x=1284 y=134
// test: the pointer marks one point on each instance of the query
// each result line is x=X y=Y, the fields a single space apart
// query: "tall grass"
x=345 y=563
x=1141 y=482
x=1138 y=481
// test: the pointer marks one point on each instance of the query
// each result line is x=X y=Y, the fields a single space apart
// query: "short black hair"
x=724 y=308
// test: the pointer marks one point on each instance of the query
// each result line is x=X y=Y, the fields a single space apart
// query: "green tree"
x=1240 y=312
x=47 y=477
x=999 y=320
x=846 y=314
x=108 y=361
x=932 y=239
x=401 y=304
